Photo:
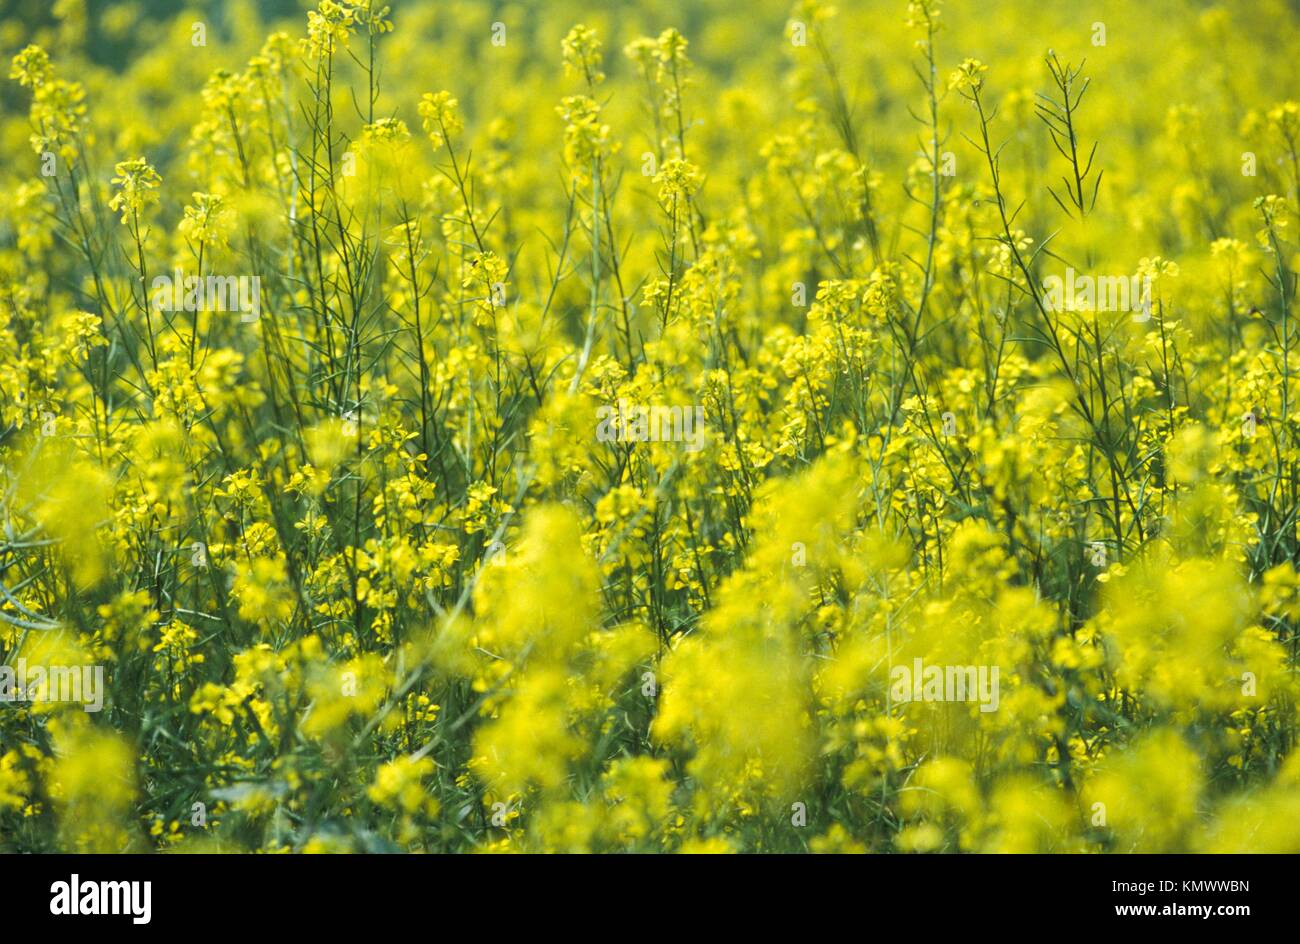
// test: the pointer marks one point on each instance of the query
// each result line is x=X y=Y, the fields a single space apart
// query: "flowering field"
x=692 y=427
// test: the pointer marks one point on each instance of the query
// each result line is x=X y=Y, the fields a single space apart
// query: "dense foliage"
x=598 y=420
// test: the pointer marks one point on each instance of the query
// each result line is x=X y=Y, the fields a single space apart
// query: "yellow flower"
x=440 y=117
x=968 y=78
x=581 y=49
x=136 y=184
x=397 y=784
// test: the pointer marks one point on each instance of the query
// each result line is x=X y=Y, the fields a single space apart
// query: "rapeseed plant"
x=560 y=429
